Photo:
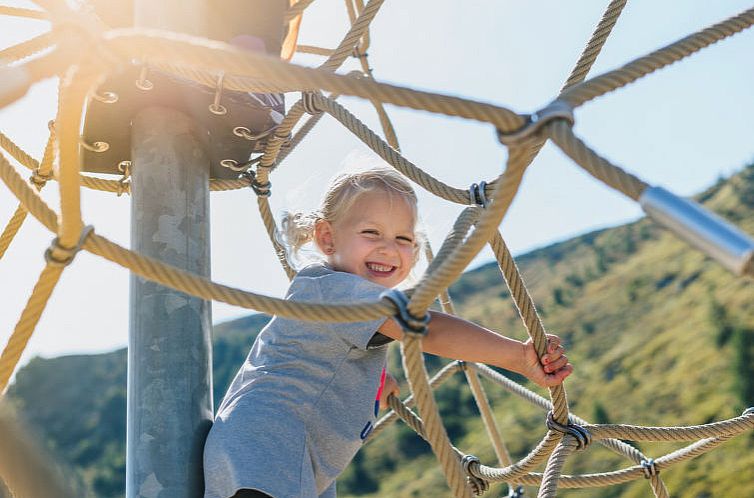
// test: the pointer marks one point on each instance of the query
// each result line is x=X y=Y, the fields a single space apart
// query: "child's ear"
x=323 y=236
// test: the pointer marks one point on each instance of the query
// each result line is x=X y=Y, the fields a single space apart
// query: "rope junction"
x=220 y=67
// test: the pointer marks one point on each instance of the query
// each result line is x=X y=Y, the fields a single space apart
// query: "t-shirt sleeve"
x=346 y=288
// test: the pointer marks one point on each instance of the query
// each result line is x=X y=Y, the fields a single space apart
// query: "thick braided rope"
x=249 y=71
x=12 y=228
x=28 y=196
x=26 y=48
x=187 y=282
x=630 y=473
x=311 y=49
x=25 y=469
x=466 y=219
x=27 y=13
x=490 y=424
x=436 y=381
x=301 y=133
x=74 y=88
x=27 y=322
x=389 y=154
x=472 y=377
x=273 y=146
x=272 y=231
x=555 y=465
x=614 y=445
x=612 y=80
x=595 y=43
x=413 y=365
x=578 y=73
x=528 y=313
x=521 y=468
x=17 y=152
x=358 y=29
x=592 y=163
x=296 y=10
x=449 y=270
x=730 y=427
x=42 y=173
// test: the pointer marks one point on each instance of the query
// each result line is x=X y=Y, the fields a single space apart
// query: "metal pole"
x=169 y=354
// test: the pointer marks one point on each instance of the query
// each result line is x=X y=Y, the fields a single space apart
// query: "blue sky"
x=681 y=128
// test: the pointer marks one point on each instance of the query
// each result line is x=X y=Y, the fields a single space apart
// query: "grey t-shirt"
x=300 y=407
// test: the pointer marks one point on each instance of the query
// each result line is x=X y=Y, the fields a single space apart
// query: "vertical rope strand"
x=28 y=322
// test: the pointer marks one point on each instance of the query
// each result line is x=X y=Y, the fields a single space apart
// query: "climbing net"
x=200 y=61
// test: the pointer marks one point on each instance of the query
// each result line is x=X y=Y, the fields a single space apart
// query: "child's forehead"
x=383 y=208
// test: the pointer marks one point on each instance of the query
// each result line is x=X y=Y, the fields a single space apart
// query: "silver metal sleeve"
x=724 y=242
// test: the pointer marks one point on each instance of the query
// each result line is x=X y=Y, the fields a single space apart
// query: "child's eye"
x=370 y=232
x=405 y=240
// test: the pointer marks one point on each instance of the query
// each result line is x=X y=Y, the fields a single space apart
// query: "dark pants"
x=250 y=493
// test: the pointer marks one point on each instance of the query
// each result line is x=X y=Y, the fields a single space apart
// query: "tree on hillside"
x=743 y=365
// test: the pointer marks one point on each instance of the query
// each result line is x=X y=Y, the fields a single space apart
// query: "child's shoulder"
x=336 y=286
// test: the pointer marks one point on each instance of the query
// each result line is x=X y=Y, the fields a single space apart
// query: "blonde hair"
x=297 y=228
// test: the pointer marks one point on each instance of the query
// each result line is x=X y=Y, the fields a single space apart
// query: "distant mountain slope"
x=659 y=335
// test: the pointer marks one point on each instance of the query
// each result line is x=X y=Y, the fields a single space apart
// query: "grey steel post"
x=169 y=353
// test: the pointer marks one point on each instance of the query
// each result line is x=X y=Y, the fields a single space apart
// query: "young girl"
x=304 y=400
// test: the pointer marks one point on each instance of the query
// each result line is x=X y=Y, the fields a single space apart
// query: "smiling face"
x=375 y=239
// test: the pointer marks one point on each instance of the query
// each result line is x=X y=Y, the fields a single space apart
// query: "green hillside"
x=659 y=335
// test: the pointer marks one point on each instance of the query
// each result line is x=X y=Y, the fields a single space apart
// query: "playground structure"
x=219 y=67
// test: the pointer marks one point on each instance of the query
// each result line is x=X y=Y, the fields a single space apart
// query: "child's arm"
x=453 y=337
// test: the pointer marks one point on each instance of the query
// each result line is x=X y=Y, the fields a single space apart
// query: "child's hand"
x=553 y=367
x=391 y=387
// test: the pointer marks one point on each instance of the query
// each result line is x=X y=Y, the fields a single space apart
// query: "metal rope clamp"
x=748 y=411
x=57 y=255
x=516 y=492
x=478 y=196
x=414 y=325
x=309 y=104
x=649 y=467
x=478 y=485
x=535 y=122
x=261 y=189
x=582 y=436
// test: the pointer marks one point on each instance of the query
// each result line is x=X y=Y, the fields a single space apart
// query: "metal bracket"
x=583 y=437
x=411 y=324
x=555 y=110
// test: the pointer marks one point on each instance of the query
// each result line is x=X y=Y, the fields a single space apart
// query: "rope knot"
x=309 y=102
x=535 y=122
x=57 y=255
x=649 y=467
x=39 y=179
x=411 y=324
x=478 y=485
x=583 y=437
x=478 y=194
